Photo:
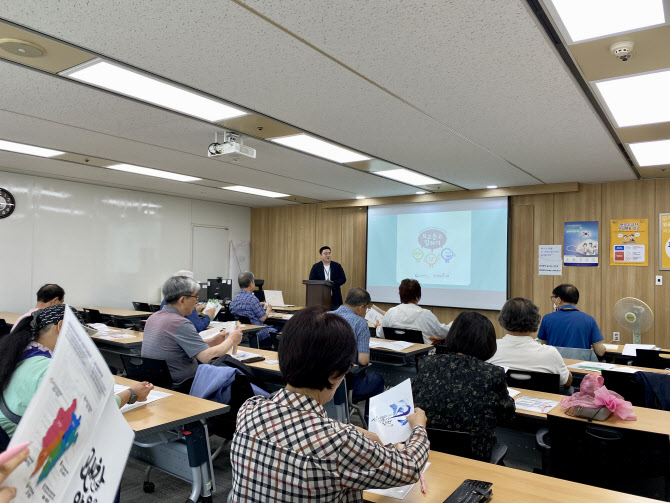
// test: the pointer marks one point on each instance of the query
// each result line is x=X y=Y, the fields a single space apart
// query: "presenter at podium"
x=329 y=270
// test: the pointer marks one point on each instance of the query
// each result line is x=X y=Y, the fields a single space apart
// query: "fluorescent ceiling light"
x=642 y=99
x=595 y=18
x=137 y=85
x=407 y=176
x=324 y=149
x=360 y=197
x=140 y=170
x=651 y=153
x=22 y=148
x=491 y=186
x=420 y=192
x=255 y=192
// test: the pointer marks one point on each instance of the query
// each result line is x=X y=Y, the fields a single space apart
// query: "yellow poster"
x=629 y=241
x=664 y=240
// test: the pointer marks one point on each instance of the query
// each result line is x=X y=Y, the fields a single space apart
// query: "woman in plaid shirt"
x=286 y=449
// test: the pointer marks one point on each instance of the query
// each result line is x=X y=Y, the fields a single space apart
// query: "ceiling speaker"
x=21 y=48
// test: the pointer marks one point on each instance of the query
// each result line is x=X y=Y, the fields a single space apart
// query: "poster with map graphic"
x=79 y=438
x=441 y=250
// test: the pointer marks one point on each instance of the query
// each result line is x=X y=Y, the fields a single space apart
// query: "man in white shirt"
x=409 y=315
x=519 y=350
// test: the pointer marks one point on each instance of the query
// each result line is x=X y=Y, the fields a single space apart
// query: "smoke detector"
x=622 y=50
x=21 y=48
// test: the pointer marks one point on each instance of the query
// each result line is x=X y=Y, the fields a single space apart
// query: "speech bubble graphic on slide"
x=432 y=238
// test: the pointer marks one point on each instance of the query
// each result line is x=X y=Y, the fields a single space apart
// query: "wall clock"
x=7 y=203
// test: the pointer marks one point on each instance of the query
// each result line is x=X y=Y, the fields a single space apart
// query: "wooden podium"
x=319 y=292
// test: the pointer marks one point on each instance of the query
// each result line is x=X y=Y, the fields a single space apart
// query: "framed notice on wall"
x=629 y=242
x=580 y=242
x=664 y=241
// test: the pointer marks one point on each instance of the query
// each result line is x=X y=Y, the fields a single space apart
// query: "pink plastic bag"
x=594 y=394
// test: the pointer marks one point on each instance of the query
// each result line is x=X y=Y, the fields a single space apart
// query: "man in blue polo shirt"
x=246 y=304
x=568 y=327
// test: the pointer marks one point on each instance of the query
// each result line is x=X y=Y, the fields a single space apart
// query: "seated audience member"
x=25 y=356
x=246 y=304
x=353 y=311
x=49 y=295
x=459 y=390
x=410 y=316
x=170 y=336
x=199 y=323
x=286 y=448
x=568 y=327
x=519 y=350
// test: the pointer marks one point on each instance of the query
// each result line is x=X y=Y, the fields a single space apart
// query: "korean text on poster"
x=629 y=242
x=664 y=241
x=580 y=242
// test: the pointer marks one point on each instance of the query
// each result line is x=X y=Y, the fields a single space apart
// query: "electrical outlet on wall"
x=659 y=280
x=616 y=337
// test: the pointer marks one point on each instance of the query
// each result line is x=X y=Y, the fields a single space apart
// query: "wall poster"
x=580 y=242
x=664 y=241
x=629 y=242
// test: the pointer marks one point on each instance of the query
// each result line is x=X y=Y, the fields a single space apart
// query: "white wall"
x=104 y=246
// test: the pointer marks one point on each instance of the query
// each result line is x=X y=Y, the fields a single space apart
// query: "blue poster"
x=580 y=244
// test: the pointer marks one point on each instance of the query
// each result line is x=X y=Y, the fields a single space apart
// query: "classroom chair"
x=536 y=381
x=139 y=368
x=403 y=334
x=626 y=385
x=652 y=359
x=586 y=355
x=620 y=459
x=356 y=404
x=92 y=316
x=459 y=443
x=142 y=306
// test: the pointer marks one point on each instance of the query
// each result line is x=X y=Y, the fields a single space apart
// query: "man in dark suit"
x=330 y=271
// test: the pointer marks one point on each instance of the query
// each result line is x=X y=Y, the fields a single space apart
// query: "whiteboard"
x=209 y=252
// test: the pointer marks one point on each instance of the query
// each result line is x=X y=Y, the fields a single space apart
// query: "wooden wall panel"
x=285 y=243
x=627 y=200
x=580 y=206
x=662 y=293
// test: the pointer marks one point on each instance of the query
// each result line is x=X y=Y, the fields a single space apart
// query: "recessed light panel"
x=22 y=148
x=651 y=153
x=586 y=19
x=140 y=170
x=137 y=85
x=327 y=150
x=407 y=176
x=641 y=99
x=491 y=186
x=255 y=192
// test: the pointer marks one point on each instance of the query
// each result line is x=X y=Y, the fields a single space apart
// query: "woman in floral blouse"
x=459 y=390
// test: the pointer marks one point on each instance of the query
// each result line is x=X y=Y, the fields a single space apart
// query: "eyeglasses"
x=553 y=297
x=192 y=296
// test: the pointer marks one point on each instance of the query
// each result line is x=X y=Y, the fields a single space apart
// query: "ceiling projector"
x=232 y=144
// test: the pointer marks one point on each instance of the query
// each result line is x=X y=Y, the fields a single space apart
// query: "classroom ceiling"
x=472 y=93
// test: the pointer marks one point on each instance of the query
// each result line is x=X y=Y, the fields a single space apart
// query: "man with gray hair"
x=246 y=304
x=353 y=311
x=170 y=336
x=194 y=316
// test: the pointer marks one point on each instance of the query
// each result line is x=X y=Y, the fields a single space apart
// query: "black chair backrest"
x=652 y=359
x=458 y=443
x=92 y=315
x=621 y=459
x=139 y=368
x=260 y=295
x=536 y=381
x=154 y=307
x=4 y=327
x=403 y=334
x=244 y=319
x=626 y=385
x=142 y=306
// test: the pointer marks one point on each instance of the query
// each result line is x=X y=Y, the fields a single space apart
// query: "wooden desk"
x=447 y=472
x=413 y=350
x=616 y=352
x=119 y=313
x=537 y=394
x=10 y=318
x=568 y=362
x=262 y=365
x=128 y=342
x=290 y=310
x=170 y=412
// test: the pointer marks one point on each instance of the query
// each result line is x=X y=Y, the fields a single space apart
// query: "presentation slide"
x=457 y=250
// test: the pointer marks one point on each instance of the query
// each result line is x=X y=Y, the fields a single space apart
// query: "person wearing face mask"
x=568 y=327
x=25 y=355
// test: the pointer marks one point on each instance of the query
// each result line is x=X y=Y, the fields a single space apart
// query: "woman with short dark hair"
x=287 y=449
x=410 y=316
x=459 y=390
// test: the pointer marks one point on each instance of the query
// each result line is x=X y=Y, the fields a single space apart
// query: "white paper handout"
x=392 y=345
x=625 y=369
x=513 y=392
x=533 y=404
x=374 y=315
x=245 y=355
x=631 y=349
x=389 y=411
x=595 y=366
x=275 y=298
x=398 y=493
x=152 y=397
x=611 y=347
x=213 y=303
x=80 y=441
